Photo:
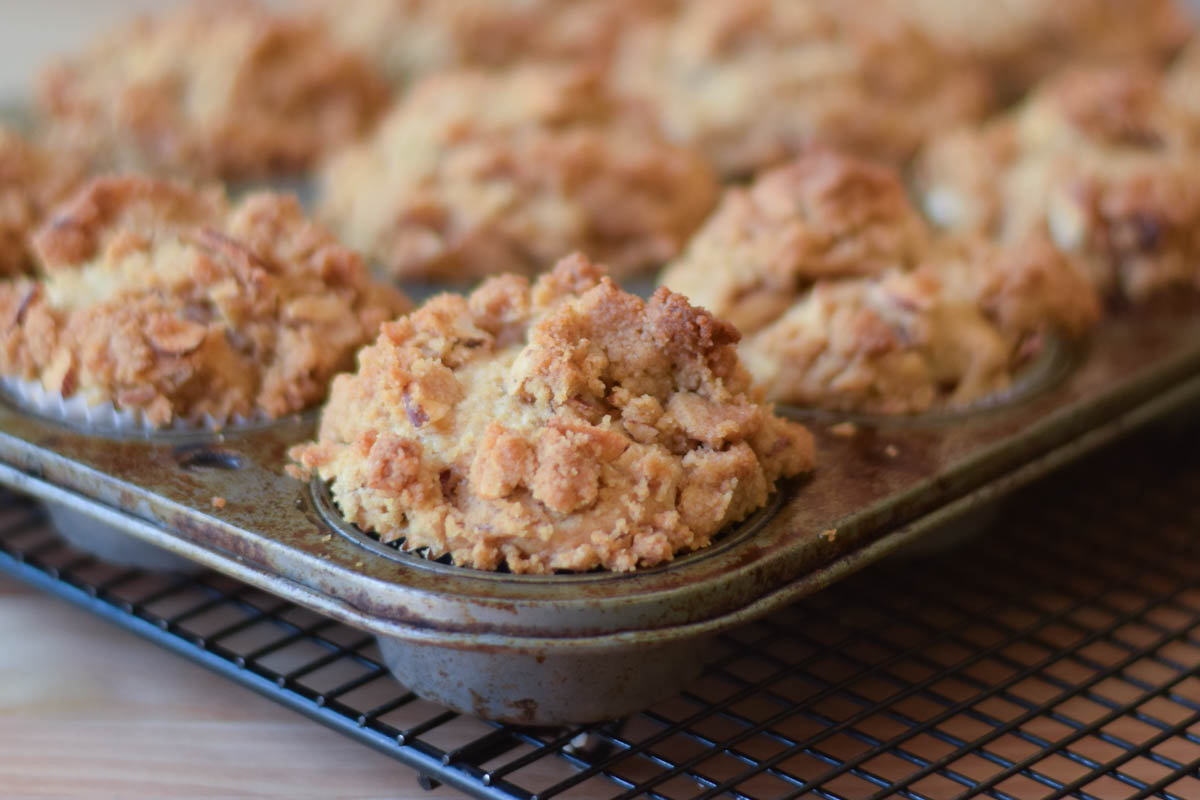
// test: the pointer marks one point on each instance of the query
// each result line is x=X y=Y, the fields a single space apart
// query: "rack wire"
x=1054 y=657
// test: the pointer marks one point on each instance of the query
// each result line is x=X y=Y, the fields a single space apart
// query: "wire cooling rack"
x=1055 y=656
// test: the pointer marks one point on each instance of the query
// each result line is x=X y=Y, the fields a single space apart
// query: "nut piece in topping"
x=849 y=302
x=1105 y=161
x=32 y=179
x=566 y=425
x=754 y=82
x=159 y=298
x=225 y=88
x=479 y=173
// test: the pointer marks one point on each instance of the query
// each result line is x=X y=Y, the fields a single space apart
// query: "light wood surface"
x=90 y=711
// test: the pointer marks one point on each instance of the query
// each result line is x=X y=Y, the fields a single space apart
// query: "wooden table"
x=90 y=711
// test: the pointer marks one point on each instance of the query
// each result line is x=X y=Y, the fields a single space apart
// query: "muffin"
x=849 y=302
x=1019 y=42
x=32 y=179
x=408 y=39
x=563 y=426
x=1102 y=160
x=167 y=306
x=752 y=83
x=478 y=173
x=223 y=88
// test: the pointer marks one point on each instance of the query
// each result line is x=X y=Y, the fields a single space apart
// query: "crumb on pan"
x=844 y=430
x=847 y=300
x=226 y=88
x=560 y=426
x=476 y=173
x=1104 y=160
x=161 y=298
x=218 y=502
x=754 y=82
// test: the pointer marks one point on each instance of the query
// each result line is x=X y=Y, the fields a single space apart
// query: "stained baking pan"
x=550 y=649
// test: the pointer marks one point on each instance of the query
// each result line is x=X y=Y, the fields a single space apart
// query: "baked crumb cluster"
x=223 y=88
x=1019 y=42
x=562 y=426
x=476 y=173
x=848 y=300
x=753 y=82
x=1105 y=161
x=162 y=299
x=32 y=179
x=407 y=39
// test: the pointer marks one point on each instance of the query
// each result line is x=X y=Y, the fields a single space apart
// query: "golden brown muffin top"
x=407 y=39
x=223 y=88
x=162 y=299
x=822 y=215
x=1022 y=41
x=849 y=300
x=752 y=83
x=956 y=330
x=477 y=173
x=31 y=180
x=1102 y=159
x=565 y=425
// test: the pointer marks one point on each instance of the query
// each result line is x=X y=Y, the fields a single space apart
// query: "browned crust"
x=823 y=215
x=1019 y=43
x=408 y=39
x=752 y=83
x=32 y=179
x=567 y=425
x=849 y=301
x=160 y=299
x=224 y=88
x=476 y=173
x=1105 y=161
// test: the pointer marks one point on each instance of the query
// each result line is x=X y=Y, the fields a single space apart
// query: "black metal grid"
x=1054 y=657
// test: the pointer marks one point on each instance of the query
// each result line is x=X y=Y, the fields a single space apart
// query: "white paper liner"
x=105 y=417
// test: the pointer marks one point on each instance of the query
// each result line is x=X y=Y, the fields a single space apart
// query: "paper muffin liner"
x=105 y=417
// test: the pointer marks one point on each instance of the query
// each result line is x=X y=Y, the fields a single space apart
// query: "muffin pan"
x=578 y=648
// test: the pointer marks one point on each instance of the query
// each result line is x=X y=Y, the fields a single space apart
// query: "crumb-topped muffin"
x=32 y=179
x=754 y=82
x=562 y=426
x=161 y=299
x=848 y=301
x=1103 y=160
x=477 y=173
x=224 y=88
x=1021 y=41
x=407 y=39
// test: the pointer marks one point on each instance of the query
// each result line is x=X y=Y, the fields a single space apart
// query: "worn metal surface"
x=883 y=476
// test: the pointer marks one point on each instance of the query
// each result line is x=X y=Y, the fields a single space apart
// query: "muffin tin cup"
x=547 y=686
x=581 y=648
x=103 y=541
x=112 y=545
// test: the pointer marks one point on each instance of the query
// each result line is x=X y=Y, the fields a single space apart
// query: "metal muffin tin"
x=578 y=648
